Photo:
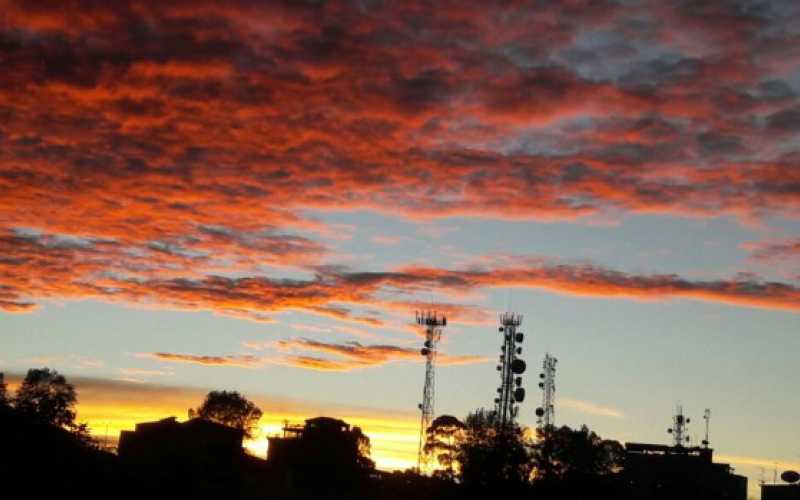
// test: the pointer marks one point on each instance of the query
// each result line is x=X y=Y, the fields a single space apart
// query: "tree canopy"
x=444 y=436
x=46 y=396
x=492 y=456
x=565 y=453
x=229 y=408
x=364 y=449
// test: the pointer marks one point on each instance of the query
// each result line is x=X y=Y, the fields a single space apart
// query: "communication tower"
x=680 y=434
x=546 y=414
x=511 y=367
x=707 y=418
x=433 y=324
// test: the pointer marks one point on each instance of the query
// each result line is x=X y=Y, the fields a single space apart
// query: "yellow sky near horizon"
x=109 y=407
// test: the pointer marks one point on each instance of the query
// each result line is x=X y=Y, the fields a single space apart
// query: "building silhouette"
x=780 y=492
x=324 y=454
x=170 y=439
x=192 y=459
x=654 y=472
x=321 y=442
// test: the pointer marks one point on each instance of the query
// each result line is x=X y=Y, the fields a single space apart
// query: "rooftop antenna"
x=511 y=367
x=707 y=418
x=678 y=430
x=546 y=414
x=433 y=324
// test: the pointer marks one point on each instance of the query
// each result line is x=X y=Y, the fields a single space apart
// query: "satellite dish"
x=499 y=367
x=519 y=350
x=518 y=366
x=500 y=329
x=428 y=344
x=519 y=337
x=539 y=412
x=518 y=381
x=790 y=476
x=519 y=395
x=541 y=385
x=541 y=375
x=424 y=351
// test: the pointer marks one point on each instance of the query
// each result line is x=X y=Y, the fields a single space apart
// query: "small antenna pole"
x=433 y=324
x=707 y=418
x=546 y=414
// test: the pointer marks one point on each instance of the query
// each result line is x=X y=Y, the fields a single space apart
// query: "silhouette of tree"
x=443 y=438
x=3 y=391
x=364 y=449
x=491 y=456
x=229 y=408
x=569 y=454
x=46 y=396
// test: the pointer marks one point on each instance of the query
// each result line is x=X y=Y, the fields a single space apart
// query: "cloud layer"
x=315 y=355
x=43 y=267
x=170 y=154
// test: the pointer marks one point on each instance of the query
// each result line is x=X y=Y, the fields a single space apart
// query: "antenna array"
x=680 y=434
x=511 y=368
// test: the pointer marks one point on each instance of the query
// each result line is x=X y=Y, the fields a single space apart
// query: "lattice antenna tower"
x=433 y=324
x=707 y=418
x=546 y=414
x=511 y=367
x=680 y=434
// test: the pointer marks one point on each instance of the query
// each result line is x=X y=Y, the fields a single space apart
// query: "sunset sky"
x=257 y=196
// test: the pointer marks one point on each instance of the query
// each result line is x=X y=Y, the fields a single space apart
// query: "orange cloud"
x=351 y=356
x=241 y=361
x=358 y=356
x=43 y=266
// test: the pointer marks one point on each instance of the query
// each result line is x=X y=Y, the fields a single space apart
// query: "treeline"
x=485 y=457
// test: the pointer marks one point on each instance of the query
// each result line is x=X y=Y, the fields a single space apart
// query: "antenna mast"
x=433 y=324
x=707 y=418
x=546 y=414
x=678 y=430
x=511 y=368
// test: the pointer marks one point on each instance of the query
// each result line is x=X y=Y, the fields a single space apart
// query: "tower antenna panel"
x=511 y=366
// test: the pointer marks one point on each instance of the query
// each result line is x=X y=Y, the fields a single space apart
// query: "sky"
x=257 y=196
